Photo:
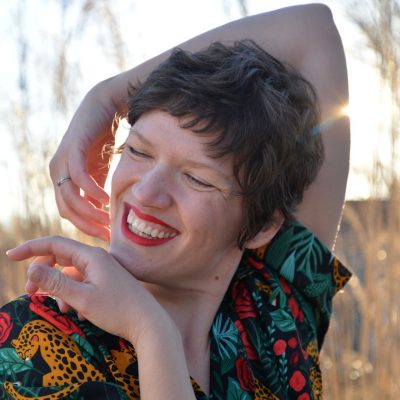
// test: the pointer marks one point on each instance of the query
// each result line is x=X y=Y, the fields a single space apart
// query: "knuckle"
x=57 y=283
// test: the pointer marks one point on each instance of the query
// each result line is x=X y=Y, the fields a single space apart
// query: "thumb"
x=53 y=281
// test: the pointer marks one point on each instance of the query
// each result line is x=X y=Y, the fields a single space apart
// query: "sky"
x=153 y=26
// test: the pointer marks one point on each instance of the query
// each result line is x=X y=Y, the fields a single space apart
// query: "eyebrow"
x=194 y=164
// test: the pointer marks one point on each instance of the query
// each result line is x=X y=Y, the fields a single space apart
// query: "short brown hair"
x=253 y=107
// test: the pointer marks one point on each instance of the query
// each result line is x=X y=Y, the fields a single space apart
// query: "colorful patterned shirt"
x=265 y=338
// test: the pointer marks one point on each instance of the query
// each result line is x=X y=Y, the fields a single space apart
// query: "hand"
x=108 y=296
x=80 y=156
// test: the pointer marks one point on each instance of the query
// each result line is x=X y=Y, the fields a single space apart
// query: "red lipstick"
x=143 y=241
x=147 y=217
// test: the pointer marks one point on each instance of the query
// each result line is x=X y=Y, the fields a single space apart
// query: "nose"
x=153 y=190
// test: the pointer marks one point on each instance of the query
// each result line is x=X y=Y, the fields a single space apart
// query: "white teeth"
x=142 y=229
x=154 y=233
x=147 y=230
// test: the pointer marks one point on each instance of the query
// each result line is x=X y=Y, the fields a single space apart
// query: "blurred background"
x=54 y=51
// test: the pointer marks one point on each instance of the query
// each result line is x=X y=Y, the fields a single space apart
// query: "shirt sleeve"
x=313 y=273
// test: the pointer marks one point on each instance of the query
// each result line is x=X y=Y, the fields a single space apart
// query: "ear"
x=267 y=233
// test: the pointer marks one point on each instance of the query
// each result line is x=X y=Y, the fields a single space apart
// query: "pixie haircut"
x=253 y=108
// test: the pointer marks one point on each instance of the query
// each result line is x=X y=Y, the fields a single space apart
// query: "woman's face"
x=174 y=217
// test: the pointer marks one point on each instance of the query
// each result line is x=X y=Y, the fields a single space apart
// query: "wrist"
x=154 y=331
x=161 y=359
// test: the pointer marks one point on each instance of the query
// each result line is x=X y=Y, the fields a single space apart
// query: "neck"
x=192 y=310
x=193 y=303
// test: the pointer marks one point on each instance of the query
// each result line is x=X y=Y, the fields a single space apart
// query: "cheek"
x=217 y=218
x=119 y=184
x=119 y=176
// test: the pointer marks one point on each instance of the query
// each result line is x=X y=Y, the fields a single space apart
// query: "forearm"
x=163 y=369
x=284 y=33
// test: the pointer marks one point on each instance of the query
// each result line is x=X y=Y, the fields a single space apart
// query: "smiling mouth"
x=145 y=229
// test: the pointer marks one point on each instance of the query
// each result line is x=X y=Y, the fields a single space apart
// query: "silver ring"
x=63 y=180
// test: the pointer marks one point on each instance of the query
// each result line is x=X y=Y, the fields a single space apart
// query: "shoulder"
x=303 y=274
x=34 y=340
x=303 y=259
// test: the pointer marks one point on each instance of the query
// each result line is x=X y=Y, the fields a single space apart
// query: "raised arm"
x=303 y=36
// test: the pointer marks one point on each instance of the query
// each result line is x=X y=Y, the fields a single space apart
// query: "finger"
x=95 y=202
x=44 y=260
x=66 y=252
x=81 y=317
x=70 y=195
x=56 y=283
x=87 y=226
x=62 y=305
x=81 y=177
x=72 y=273
x=75 y=167
x=30 y=287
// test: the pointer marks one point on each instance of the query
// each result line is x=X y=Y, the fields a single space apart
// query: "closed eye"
x=136 y=153
x=197 y=182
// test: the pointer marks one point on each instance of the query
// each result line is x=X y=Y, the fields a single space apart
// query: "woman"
x=221 y=149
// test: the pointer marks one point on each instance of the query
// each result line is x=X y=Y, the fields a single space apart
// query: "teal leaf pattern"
x=288 y=267
x=283 y=320
x=11 y=363
x=308 y=253
x=85 y=347
x=226 y=336
x=235 y=392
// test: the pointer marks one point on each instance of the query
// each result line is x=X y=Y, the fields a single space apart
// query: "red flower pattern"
x=297 y=381
x=244 y=375
x=59 y=320
x=243 y=303
x=285 y=286
x=304 y=396
x=5 y=327
x=292 y=342
x=256 y=264
x=250 y=350
x=294 y=358
x=294 y=307
x=279 y=347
